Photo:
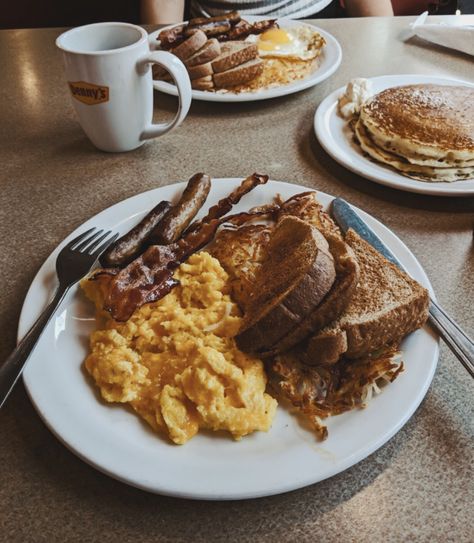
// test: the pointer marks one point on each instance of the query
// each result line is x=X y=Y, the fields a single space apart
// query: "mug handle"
x=178 y=72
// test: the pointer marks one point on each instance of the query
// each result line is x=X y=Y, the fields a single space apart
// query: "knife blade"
x=347 y=218
x=456 y=339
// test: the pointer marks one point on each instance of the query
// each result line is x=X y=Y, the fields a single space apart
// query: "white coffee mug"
x=108 y=70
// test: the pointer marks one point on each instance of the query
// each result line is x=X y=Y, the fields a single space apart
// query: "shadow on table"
x=88 y=494
x=179 y=519
x=312 y=153
x=426 y=46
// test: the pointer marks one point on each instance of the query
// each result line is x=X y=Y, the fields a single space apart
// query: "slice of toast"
x=387 y=304
x=239 y=75
x=201 y=70
x=209 y=51
x=203 y=83
x=234 y=53
x=185 y=50
x=296 y=274
x=190 y=46
x=242 y=252
x=333 y=304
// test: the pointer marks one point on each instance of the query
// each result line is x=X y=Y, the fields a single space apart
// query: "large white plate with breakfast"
x=211 y=465
x=336 y=136
x=284 y=72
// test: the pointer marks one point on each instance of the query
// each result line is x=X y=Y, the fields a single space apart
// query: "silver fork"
x=74 y=261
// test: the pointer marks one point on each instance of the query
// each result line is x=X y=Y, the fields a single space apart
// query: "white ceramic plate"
x=328 y=63
x=335 y=137
x=114 y=440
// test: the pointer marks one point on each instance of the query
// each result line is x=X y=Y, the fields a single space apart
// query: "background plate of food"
x=281 y=59
x=212 y=465
x=426 y=146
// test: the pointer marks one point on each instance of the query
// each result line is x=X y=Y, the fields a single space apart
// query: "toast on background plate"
x=239 y=75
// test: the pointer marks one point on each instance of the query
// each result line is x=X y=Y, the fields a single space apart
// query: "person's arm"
x=161 y=11
x=367 y=8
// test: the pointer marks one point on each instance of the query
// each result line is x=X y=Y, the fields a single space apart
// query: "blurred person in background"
x=56 y=13
x=172 y=11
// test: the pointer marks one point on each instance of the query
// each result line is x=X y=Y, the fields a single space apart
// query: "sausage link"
x=131 y=244
x=180 y=216
x=210 y=29
x=233 y=17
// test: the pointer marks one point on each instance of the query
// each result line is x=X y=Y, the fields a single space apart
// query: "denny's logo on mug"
x=88 y=93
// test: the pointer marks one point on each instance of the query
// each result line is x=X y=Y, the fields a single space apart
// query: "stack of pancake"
x=423 y=131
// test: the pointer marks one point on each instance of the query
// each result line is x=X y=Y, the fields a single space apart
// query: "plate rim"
x=325 y=111
x=349 y=460
x=266 y=94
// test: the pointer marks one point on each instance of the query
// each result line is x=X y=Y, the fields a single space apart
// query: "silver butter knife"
x=456 y=339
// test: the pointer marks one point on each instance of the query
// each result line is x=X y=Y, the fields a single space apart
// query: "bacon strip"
x=150 y=277
x=225 y=205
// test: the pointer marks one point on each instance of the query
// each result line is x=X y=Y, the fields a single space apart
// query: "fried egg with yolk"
x=298 y=43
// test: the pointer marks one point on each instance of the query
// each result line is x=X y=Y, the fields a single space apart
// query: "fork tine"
x=104 y=245
x=92 y=246
x=80 y=237
x=84 y=244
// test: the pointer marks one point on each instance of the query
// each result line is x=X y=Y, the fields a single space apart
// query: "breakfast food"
x=163 y=224
x=150 y=276
x=195 y=326
x=226 y=27
x=134 y=242
x=234 y=53
x=175 y=361
x=341 y=366
x=423 y=131
x=237 y=64
x=190 y=46
x=297 y=273
x=209 y=51
x=226 y=53
x=179 y=217
x=295 y=43
x=333 y=362
x=239 y=75
x=319 y=392
x=386 y=306
x=241 y=252
x=304 y=321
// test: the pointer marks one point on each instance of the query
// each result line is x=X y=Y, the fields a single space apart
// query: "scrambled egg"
x=175 y=361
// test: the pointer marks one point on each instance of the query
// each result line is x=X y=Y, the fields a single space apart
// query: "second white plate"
x=335 y=136
x=329 y=62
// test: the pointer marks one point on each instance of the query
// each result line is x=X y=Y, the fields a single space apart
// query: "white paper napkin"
x=453 y=35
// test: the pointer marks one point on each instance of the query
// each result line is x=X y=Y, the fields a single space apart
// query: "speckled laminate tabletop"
x=417 y=487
